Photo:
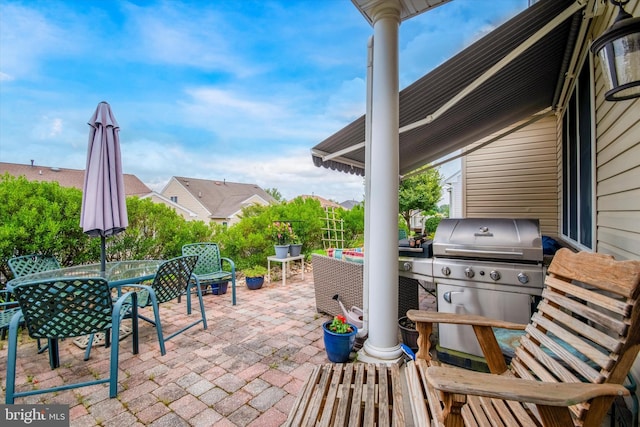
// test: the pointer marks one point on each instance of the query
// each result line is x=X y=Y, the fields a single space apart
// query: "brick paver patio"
x=246 y=369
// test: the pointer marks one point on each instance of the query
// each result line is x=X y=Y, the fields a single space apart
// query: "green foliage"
x=419 y=192
x=255 y=271
x=353 y=225
x=40 y=217
x=431 y=223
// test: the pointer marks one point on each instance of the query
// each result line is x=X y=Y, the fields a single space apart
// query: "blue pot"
x=338 y=346
x=219 y=288
x=254 y=283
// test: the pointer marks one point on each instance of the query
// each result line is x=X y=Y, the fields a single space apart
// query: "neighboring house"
x=325 y=203
x=576 y=166
x=213 y=201
x=68 y=177
x=453 y=188
x=349 y=204
x=179 y=209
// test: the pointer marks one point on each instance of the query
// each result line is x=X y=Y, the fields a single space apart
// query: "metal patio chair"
x=172 y=280
x=209 y=268
x=30 y=264
x=66 y=308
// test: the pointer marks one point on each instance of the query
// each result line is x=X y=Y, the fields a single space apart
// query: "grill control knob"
x=523 y=278
x=495 y=275
x=469 y=272
x=446 y=270
x=406 y=266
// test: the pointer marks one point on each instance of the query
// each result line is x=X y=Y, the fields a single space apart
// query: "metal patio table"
x=117 y=273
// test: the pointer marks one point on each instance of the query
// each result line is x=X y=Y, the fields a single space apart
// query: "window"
x=174 y=199
x=577 y=163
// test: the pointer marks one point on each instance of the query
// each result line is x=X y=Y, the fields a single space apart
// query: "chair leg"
x=233 y=290
x=12 y=353
x=204 y=317
x=87 y=352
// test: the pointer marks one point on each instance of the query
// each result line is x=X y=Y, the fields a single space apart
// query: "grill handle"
x=454 y=251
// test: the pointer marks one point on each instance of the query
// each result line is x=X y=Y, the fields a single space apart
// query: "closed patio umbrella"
x=104 y=210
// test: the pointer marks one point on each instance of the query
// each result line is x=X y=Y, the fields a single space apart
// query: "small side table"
x=285 y=263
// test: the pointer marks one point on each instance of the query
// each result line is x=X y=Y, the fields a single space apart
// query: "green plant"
x=339 y=325
x=255 y=271
x=282 y=232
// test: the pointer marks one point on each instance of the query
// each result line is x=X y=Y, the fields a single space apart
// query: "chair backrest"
x=61 y=308
x=586 y=328
x=173 y=277
x=208 y=257
x=34 y=263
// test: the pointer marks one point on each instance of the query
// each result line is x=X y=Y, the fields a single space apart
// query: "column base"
x=371 y=354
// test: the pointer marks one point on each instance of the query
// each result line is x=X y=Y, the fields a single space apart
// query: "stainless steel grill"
x=485 y=266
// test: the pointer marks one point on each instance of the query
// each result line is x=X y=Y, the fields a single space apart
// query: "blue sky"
x=223 y=89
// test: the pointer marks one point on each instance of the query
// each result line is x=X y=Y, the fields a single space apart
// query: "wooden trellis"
x=333 y=233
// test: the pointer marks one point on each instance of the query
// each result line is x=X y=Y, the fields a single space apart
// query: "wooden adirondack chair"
x=570 y=364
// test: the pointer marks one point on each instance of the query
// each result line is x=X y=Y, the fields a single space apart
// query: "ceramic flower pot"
x=408 y=332
x=281 y=251
x=295 y=249
x=219 y=288
x=254 y=283
x=339 y=346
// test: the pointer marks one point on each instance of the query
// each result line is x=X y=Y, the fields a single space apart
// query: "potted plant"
x=339 y=338
x=281 y=233
x=408 y=332
x=295 y=248
x=254 y=277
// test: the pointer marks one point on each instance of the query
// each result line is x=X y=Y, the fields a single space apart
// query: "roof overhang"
x=509 y=75
x=408 y=8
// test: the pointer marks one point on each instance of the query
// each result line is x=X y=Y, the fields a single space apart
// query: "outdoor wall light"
x=619 y=51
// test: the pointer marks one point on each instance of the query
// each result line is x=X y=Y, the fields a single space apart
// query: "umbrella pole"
x=102 y=255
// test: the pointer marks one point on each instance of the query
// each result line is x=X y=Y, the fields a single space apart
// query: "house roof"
x=68 y=177
x=325 y=203
x=222 y=198
x=497 y=97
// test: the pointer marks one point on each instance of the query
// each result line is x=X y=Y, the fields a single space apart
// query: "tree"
x=419 y=192
x=273 y=192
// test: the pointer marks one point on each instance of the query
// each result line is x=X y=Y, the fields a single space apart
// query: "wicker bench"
x=350 y=394
x=333 y=276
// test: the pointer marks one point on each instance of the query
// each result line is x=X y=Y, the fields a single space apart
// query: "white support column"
x=382 y=251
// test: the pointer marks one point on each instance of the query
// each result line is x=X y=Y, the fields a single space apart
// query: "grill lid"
x=489 y=238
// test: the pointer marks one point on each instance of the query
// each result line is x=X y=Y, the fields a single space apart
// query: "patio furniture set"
x=56 y=303
x=570 y=362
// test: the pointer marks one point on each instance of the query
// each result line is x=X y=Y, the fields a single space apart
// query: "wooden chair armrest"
x=461 y=381
x=423 y=316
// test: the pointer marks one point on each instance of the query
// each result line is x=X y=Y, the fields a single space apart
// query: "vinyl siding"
x=175 y=188
x=515 y=177
x=617 y=165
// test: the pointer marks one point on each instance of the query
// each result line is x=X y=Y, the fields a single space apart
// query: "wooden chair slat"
x=572 y=361
x=579 y=345
x=417 y=391
x=590 y=314
x=481 y=418
x=617 y=306
x=505 y=413
x=525 y=419
x=595 y=335
x=317 y=396
x=621 y=277
x=555 y=367
x=532 y=368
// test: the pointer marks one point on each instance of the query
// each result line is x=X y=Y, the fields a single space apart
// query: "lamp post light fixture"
x=619 y=51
